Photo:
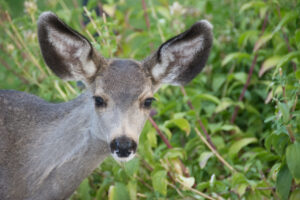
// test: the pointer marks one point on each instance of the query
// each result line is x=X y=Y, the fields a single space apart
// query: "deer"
x=47 y=149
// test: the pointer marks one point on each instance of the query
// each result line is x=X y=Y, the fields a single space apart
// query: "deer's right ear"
x=69 y=54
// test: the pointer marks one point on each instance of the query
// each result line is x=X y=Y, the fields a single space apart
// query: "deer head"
x=121 y=90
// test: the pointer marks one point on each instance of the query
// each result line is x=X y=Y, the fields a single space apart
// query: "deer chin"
x=123 y=159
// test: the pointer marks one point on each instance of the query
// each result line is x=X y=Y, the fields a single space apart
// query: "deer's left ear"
x=181 y=58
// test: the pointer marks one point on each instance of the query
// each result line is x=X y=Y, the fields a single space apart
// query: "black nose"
x=123 y=146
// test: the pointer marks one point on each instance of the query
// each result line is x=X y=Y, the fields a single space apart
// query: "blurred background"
x=232 y=133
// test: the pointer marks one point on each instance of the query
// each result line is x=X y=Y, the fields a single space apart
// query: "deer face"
x=121 y=91
x=123 y=95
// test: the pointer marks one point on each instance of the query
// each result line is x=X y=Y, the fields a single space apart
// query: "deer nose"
x=123 y=146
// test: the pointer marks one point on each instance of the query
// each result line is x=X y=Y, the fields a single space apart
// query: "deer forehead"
x=123 y=81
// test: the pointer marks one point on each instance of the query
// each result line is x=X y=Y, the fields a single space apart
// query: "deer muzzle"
x=123 y=148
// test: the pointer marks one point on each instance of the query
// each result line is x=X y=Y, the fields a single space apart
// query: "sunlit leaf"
x=295 y=195
x=159 y=181
x=252 y=4
x=285 y=59
x=207 y=97
x=269 y=64
x=118 y=191
x=262 y=40
x=187 y=181
x=204 y=158
x=181 y=123
x=238 y=145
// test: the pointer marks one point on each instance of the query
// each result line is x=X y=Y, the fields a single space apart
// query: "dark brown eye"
x=148 y=102
x=99 y=101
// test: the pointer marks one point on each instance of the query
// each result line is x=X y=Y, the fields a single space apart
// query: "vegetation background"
x=233 y=133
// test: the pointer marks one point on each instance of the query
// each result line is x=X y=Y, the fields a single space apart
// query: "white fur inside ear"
x=160 y=68
x=72 y=49
x=181 y=54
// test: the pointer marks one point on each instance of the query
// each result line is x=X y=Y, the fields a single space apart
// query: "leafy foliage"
x=260 y=143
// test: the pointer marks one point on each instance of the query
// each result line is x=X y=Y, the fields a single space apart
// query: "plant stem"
x=198 y=119
x=236 y=109
x=222 y=160
x=286 y=39
x=194 y=190
x=165 y=140
x=146 y=14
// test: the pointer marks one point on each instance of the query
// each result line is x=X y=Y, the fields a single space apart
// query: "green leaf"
x=207 y=97
x=290 y=16
x=225 y=103
x=237 y=146
x=284 y=111
x=235 y=56
x=159 y=181
x=229 y=127
x=268 y=64
x=132 y=185
x=297 y=74
x=132 y=166
x=218 y=81
x=151 y=137
x=239 y=183
x=241 y=76
x=295 y=195
x=118 y=192
x=164 y=12
x=252 y=4
x=285 y=59
x=84 y=190
x=175 y=153
x=293 y=159
x=262 y=40
x=181 y=123
x=244 y=37
x=283 y=182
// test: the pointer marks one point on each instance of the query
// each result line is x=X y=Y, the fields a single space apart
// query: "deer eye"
x=99 y=101
x=148 y=102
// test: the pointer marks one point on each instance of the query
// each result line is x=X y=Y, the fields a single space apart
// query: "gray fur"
x=47 y=149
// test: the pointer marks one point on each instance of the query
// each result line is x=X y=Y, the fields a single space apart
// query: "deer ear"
x=181 y=58
x=69 y=54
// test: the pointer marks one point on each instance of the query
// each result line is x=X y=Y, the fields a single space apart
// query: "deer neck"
x=72 y=146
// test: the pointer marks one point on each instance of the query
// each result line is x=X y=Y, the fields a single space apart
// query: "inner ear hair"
x=67 y=53
x=181 y=58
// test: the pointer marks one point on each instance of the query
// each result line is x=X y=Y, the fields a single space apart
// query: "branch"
x=146 y=14
x=286 y=39
x=194 y=190
x=166 y=141
x=198 y=119
x=236 y=109
x=222 y=160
